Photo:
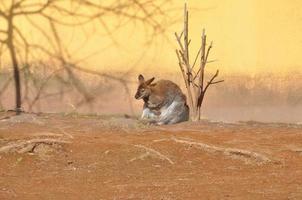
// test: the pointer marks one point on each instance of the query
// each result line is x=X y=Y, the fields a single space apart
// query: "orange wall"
x=249 y=36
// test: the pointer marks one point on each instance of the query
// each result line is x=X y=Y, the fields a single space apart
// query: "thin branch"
x=43 y=32
x=18 y=4
x=3 y=41
x=195 y=60
x=212 y=81
x=37 y=11
x=217 y=82
x=42 y=86
x=191 y=103
x=202 y=60
x=2 y=14
x=58 y=13
x=178 y=38
x=5 y=85
x=208 y=52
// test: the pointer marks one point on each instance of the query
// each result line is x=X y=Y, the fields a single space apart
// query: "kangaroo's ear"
x=141 y=78
x=148 y=82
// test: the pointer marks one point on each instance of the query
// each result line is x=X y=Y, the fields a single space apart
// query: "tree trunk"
x=12 y=52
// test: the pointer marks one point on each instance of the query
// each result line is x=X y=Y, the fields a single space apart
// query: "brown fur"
x=159 y=96
x=159 y=93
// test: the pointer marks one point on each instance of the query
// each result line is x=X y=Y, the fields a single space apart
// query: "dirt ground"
x=67 y=156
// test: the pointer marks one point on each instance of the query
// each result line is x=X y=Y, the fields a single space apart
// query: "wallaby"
x=164 y=102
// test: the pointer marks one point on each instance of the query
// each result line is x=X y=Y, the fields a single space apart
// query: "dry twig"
x=196 y=88
x=232 y=152
x=23 y=50
x=151 y=152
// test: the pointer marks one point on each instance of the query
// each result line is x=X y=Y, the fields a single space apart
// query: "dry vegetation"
x=47 y=19
x=280 y=95
x=193 y=75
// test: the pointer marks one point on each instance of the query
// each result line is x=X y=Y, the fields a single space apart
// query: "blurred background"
x=85 y=55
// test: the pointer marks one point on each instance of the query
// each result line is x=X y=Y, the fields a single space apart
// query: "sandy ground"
x=56 y=156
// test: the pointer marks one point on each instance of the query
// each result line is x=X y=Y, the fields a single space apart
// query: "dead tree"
x=46 y=18
x=194 y=77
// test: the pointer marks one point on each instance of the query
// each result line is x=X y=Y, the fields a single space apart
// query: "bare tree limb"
x=37 y=11
x=53 y=14
x=196 y=89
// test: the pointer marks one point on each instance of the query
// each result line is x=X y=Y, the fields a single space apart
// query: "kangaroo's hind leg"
x=181 y=115
x=175 y=113
x=168 y=113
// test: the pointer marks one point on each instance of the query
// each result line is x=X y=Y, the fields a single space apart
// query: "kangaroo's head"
x=144 y=88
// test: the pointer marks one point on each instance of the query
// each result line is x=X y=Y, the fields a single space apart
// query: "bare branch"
x=37 y=11
x=18 y=4
x=195 y=60
x=2 y=14
x=40 y=90
x=56 y=13
x=5 y=85
x=197 y=87
x=208 y=51
x=178 y=38
x=3 y=41
x=217 y=82
x=212 y=81
x=185 y=78
x=43 y=32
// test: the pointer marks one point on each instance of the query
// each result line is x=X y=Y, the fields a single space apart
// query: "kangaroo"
x=164 y=102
